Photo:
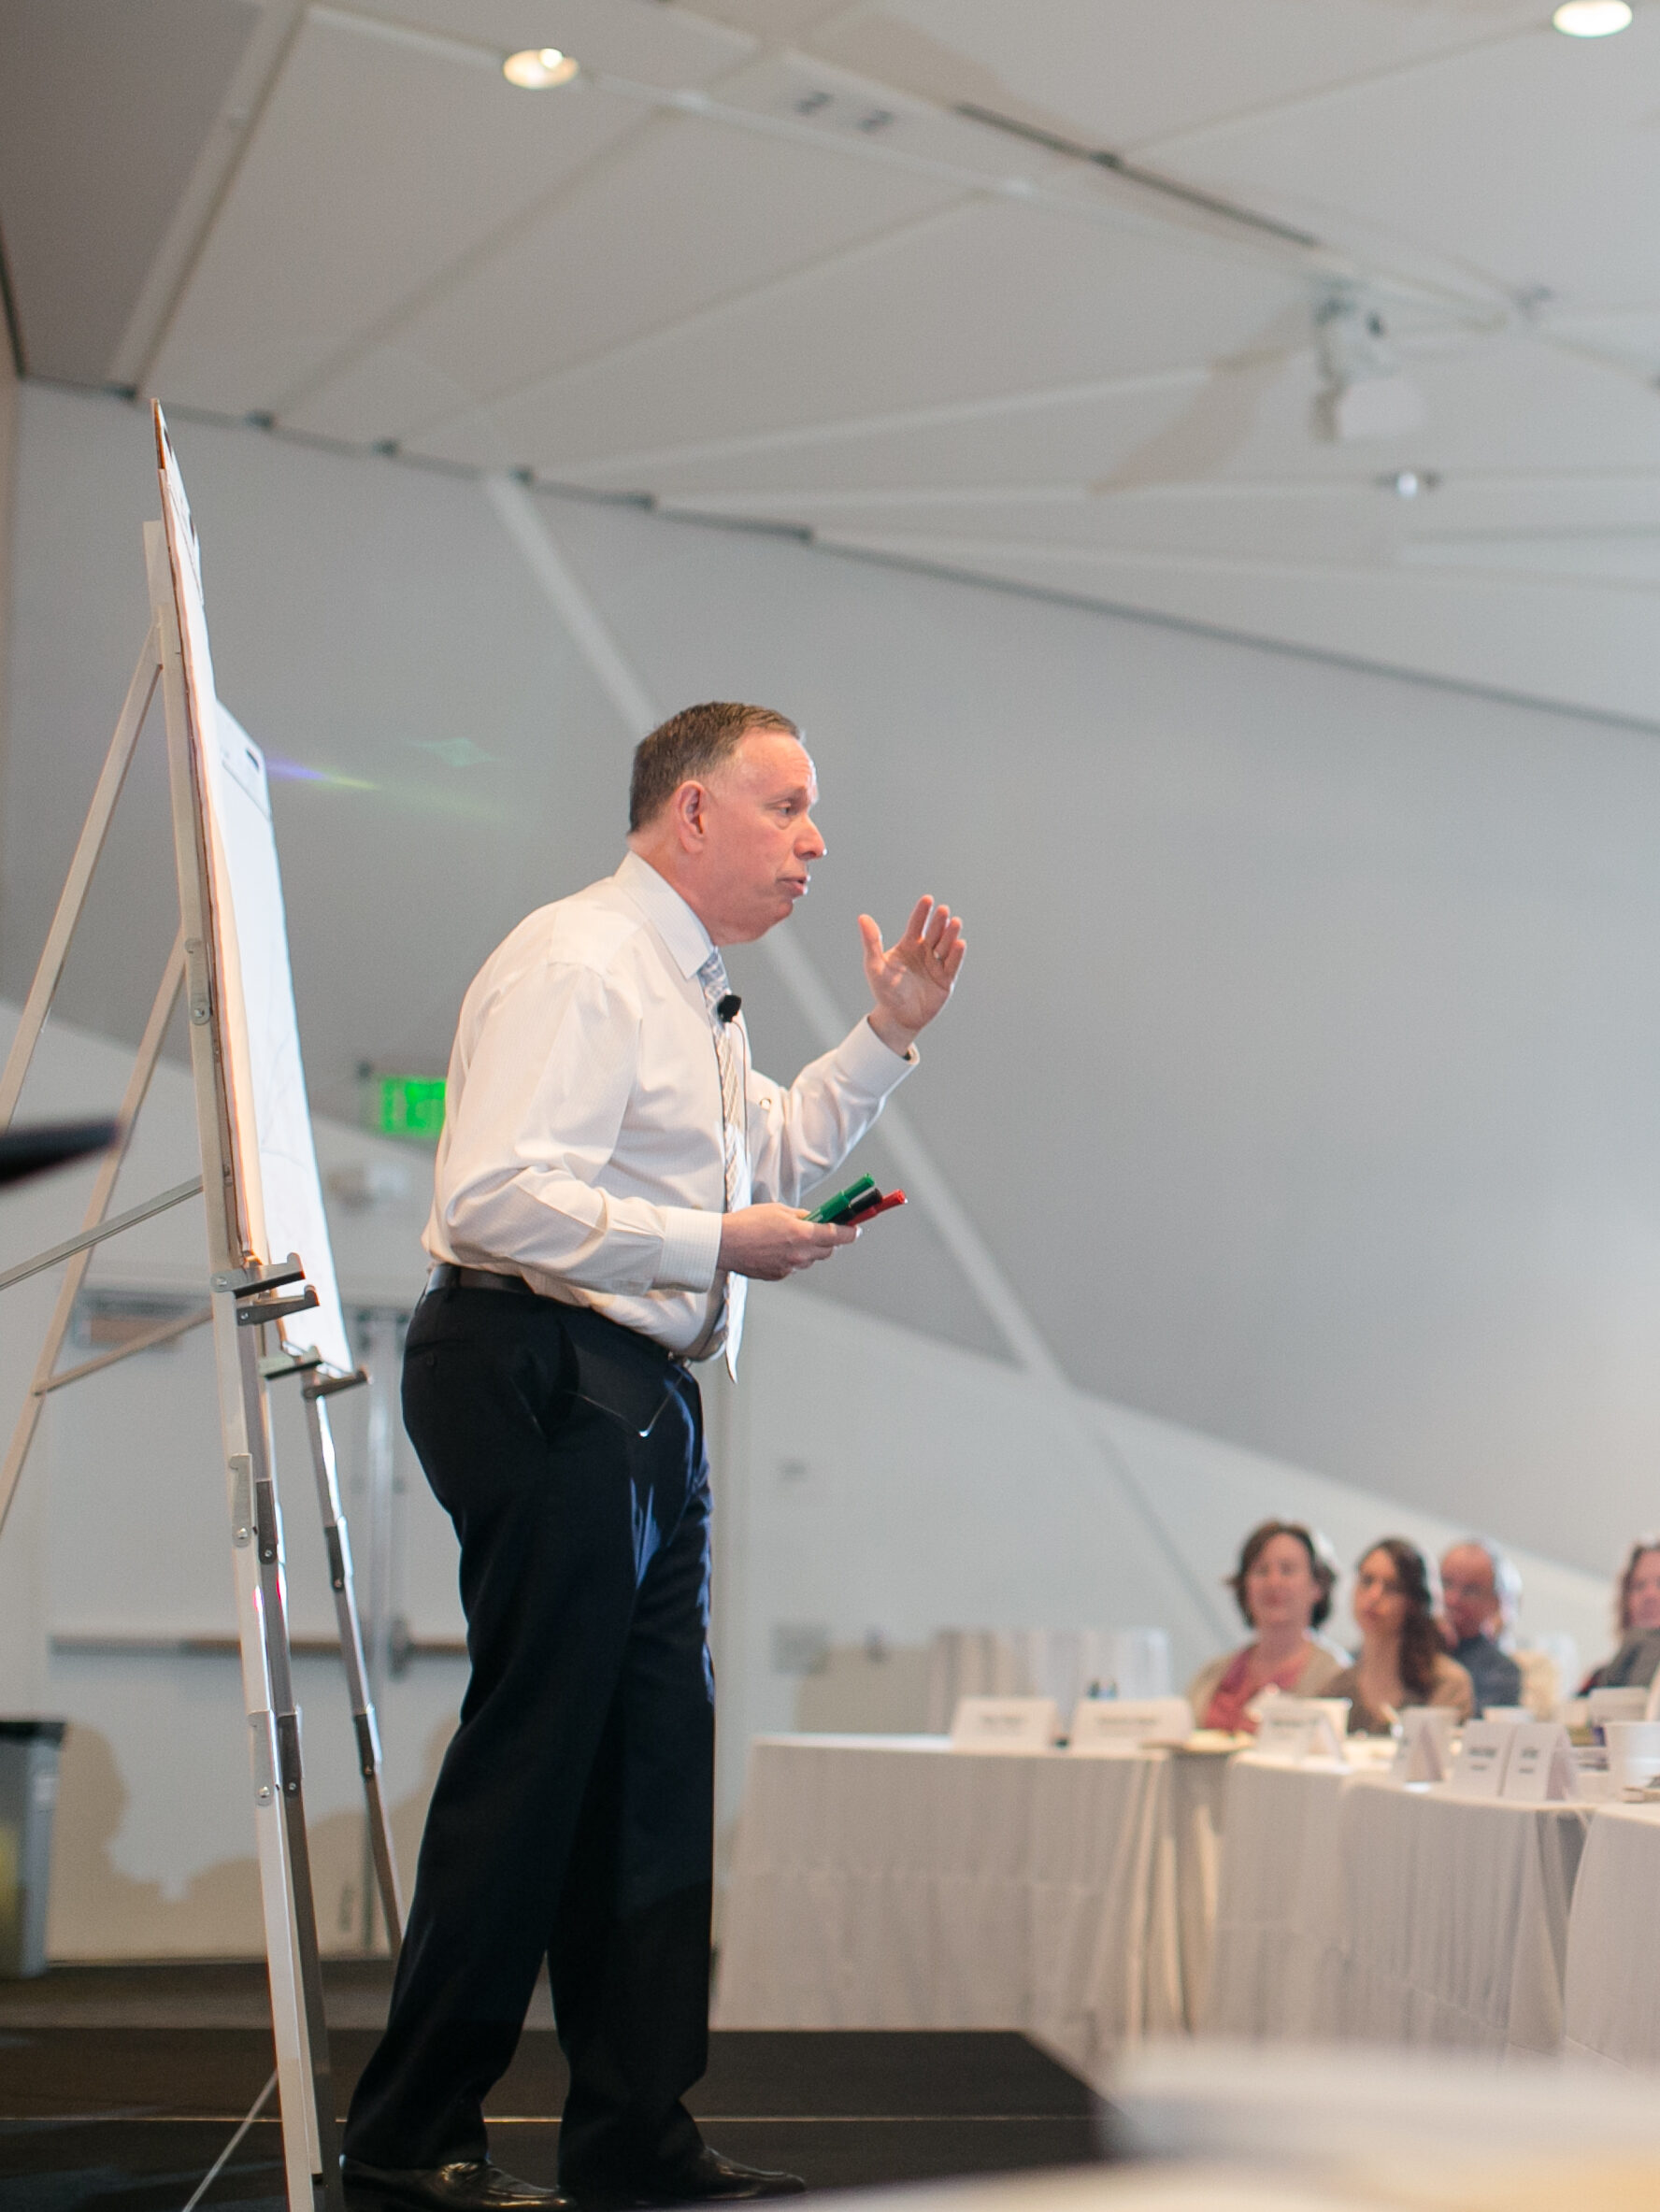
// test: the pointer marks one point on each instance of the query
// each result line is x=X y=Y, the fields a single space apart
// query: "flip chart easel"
x=274 y=1303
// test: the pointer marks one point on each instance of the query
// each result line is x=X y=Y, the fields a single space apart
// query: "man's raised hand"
x=912 y=979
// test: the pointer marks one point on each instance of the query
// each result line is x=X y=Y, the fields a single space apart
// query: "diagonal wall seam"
x=527 y=526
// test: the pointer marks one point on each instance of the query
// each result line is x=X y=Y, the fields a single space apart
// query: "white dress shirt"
x=581 y=1145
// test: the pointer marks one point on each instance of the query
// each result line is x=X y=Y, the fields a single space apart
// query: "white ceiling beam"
x=1325 y=95
x=1189 y=491
x=913 y=545
x=944 y=415
x=215 y=171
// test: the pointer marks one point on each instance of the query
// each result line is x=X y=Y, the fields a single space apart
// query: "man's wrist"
x=894 y=1034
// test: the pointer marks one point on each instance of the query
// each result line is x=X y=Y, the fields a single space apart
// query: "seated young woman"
x=1403 y=1661
x=1637 y=1622
x=1283 y=1585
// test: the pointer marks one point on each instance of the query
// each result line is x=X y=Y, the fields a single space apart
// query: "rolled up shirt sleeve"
x=550 y=1065
x=801 y=1131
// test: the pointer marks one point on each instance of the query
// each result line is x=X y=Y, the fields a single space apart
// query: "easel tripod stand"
x=254 y=1304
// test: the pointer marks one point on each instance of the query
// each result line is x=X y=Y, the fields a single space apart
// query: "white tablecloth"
x=1275 y=1951
x=1456 y=1914
x=1351 y=1907
x=891 y=1882
x=1613 y=1942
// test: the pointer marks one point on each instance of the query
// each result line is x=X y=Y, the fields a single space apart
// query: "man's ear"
x=689 y=806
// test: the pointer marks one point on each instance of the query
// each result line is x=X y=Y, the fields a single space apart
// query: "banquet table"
x=894 y=1882
x=1614 y=1942
x=1350 y=1906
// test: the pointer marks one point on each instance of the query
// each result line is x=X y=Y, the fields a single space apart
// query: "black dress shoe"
x=707 y=2179
x=467 y=2185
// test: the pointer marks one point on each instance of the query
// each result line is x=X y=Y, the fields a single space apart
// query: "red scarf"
x=1235 y=1689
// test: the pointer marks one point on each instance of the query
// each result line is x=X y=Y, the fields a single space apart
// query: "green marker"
x=832 y=1208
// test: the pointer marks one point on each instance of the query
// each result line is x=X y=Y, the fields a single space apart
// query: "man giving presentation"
x=611 y=1170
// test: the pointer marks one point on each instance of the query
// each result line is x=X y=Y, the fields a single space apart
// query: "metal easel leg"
x=155 y=1029
x=337 y=1538
x=305 y=2084
x=72 y=898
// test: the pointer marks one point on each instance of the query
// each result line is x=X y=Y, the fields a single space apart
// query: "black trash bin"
x=28 y=1792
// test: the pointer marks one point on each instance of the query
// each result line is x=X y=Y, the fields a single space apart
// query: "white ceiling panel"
x=1530 y=161
x=1591 y=646
x=691 y=215
x=316 y=243
x=642 y=39
x=1121 y=72
x=378 y=390
x=981 y=303
x=755 y=263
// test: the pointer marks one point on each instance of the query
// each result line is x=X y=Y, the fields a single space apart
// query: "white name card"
x=1616 y=1705
x=1425 y=1752
x=1541 y=1767
x=1005 y=1724
x=1299 y=1728
x=1102 y=1726
x=1479 y=1770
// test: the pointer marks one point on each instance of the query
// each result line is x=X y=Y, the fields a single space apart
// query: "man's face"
x=1468 y=1599
x=760 y=839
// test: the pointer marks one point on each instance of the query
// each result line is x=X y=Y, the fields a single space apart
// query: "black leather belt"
x=447 y=1276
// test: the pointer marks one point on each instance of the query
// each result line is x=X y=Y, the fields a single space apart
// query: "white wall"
x=1301 y=1078
x=869 y=1480
x=1300 y=1083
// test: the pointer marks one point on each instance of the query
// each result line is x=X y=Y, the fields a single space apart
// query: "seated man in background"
x=1283 y=1586
x=1479 y=1587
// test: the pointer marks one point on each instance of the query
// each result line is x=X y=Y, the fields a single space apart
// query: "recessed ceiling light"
x=539 y=66
x=1406 y=483
x=1592 y=19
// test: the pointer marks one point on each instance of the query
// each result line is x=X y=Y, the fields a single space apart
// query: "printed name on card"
x=1479 y=1770
x=1299 y=1728
x=1102 y=1726
x=1005 y=1724
x=1541 y=1766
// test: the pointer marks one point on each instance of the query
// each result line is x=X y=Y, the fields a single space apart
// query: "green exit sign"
x=410 y=1106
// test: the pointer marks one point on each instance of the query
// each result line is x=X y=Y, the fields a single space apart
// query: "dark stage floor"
x=119 y=2087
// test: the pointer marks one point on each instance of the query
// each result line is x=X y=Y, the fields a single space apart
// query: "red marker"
x=889 y=1203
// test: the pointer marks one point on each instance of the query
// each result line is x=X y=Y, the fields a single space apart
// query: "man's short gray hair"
x=1507 y=1576
x=688 y=747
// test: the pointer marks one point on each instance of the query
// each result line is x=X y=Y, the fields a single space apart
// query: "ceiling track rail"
x=1149 y=180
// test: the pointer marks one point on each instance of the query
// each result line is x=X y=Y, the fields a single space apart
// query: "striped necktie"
x=729 y=1054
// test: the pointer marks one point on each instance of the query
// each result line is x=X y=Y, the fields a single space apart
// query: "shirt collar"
x=689 y=943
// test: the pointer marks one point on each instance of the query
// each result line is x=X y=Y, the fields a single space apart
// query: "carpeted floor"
x=119 y=2087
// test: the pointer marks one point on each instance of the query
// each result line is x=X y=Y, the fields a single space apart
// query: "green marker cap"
x=832 y=1209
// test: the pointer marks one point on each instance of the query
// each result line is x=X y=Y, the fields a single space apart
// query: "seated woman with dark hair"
x=1284 y=1584
x=1637 y=1622
x=1402 y=1659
